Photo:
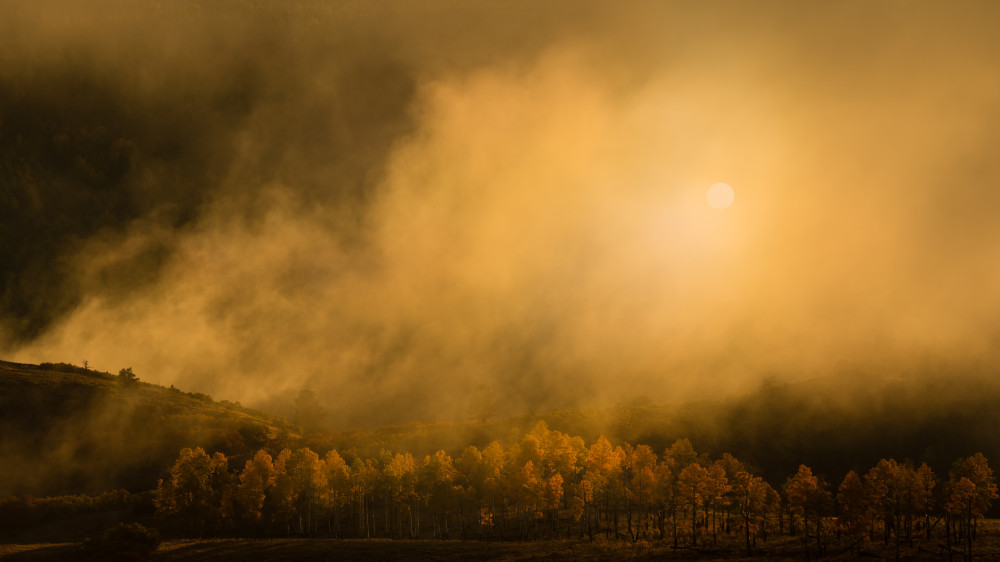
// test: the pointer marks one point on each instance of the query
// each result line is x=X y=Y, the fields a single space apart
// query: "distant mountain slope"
x=833 y=424
x=64 y=430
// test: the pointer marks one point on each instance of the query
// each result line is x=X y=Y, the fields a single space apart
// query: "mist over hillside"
x=398 y=203
x=68 y=430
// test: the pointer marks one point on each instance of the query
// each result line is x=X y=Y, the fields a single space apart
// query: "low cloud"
x=395 y=220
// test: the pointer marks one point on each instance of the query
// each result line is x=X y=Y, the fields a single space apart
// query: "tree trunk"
x=673 y=519
x=628 y=512
x=746 y=531
x=947 y=535
x=714 y=531
x=590 y=527
x=461 y=521
x=968 y=535
x=694 y=522
x=819 y=533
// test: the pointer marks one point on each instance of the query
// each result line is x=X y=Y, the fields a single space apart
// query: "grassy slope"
x=68 y=431
x=831 y=424
x=94 y=435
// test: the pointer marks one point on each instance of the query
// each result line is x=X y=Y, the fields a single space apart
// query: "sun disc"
x=720 y=196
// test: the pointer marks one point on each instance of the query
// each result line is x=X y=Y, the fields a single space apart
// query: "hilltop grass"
x=68 y=430
x=70 y=378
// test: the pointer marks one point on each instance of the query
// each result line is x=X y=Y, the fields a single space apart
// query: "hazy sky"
x=393 y=203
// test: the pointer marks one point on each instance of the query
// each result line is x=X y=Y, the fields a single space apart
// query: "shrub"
x=65 y=368
x=124 y=541
x=127 y=378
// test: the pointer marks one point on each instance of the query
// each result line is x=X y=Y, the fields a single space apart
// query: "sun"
x=720 y=195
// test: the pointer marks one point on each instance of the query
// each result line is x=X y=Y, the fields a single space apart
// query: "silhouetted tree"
x=972 y=489
x=127 y=378
x=884 y=488
x=855 y=514
x=807 y=498
x=751 y=496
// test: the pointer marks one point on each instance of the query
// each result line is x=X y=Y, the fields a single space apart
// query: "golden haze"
x=538 y=223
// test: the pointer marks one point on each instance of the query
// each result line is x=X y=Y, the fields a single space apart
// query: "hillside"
x=68 y=430
x=833 y=424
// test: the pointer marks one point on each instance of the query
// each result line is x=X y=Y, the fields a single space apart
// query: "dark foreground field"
x=378 y=549
x=784 y=548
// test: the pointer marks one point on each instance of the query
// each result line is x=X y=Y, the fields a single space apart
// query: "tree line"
x=550 y=485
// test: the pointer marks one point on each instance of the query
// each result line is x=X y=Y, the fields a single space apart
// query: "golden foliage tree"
x=807 y=497
x=855 y=514
x=193 y=490
x=691 y=486
x=751 y=496
x=972 y=489
x=338 y=491
x=255 y=480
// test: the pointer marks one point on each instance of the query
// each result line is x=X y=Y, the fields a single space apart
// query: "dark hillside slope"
x=66 y=430
x=834 y=424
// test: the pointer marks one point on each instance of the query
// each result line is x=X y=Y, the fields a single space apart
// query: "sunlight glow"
x=720 y=196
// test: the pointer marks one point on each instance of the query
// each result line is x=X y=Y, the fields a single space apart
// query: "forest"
x=550 y=485
x=737 y=476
